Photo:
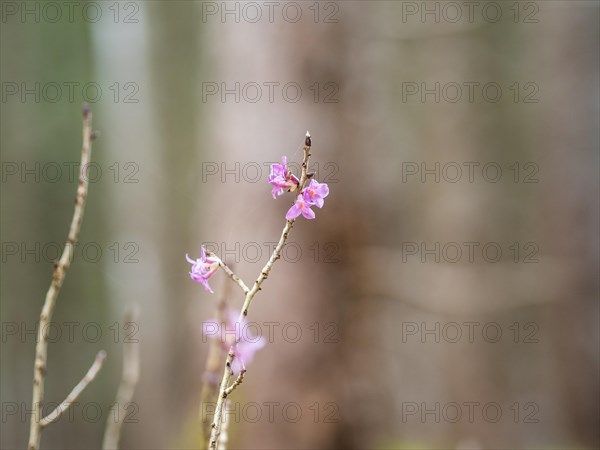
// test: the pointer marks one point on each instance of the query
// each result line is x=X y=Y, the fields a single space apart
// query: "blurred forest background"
x=357 y=271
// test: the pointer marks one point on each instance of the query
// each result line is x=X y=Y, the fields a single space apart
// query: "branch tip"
x=75 y=392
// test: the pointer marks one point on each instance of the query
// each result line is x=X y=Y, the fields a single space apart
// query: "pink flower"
x=300 y=207
x=315 y=193
x=236 y=335
x=203 y=268
x=282 y=178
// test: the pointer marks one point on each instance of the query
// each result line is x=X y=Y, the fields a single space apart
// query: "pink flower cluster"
x=282 y=178
x=203 y=268
x=313 y=195
x=235 y=334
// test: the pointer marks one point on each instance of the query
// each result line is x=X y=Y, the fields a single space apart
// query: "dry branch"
x=74 y=394
x=58 y=277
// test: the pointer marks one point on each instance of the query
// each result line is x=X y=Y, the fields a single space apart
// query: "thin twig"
x=224 y=439
x=236 y=383
x=213 y=363
x=60 y=270
x=129 y=379
x=227 y=372
x=237 y=280
x=87 y=379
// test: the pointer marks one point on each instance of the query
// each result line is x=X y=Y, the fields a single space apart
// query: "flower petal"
x=293 y=212
x=308 y=213
x=323 y=190
x=277 y=191
x=204 y=283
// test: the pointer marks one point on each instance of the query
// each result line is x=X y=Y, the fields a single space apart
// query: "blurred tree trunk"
x=176 y=60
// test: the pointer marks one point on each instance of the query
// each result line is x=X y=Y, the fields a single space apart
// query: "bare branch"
x=236 y=383
x=77 y=390
x=237 y=280
x=224 y=439
x=58 y=277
